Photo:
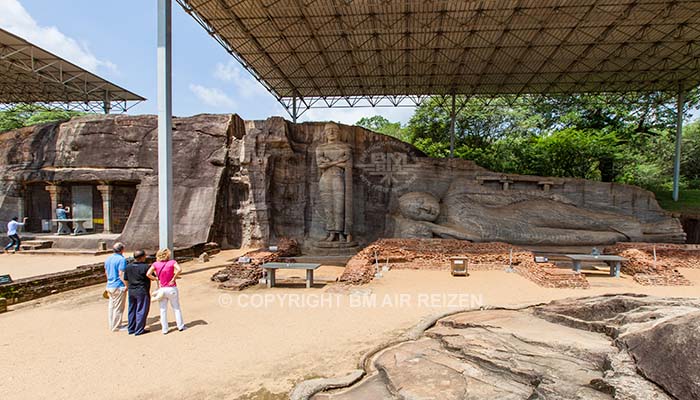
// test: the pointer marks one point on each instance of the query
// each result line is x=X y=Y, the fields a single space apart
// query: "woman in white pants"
x=166 y=271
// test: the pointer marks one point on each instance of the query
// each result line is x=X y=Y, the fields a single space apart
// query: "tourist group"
x=133 y=280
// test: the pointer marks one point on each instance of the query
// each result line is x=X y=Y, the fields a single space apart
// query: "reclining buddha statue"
x=537 y=218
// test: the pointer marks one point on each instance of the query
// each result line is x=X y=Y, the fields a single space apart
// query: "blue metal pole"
x=165 y=107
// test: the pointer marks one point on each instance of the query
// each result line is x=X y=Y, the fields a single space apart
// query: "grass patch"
x=688 y=201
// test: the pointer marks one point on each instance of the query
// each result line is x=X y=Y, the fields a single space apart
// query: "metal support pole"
x=453 y=116
x=165 y=112
x=106 y=104
x=679 y=140
x=294 y=109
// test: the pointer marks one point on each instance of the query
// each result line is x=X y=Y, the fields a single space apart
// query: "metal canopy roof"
x=345 y=52
x=29 y=74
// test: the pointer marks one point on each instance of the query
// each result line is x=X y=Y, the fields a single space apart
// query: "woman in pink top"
x=165 y=271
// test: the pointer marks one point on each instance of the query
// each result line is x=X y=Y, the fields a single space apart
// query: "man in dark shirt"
x=139 y=286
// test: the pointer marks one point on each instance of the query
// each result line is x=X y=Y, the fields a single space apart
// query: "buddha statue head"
x=419 y=206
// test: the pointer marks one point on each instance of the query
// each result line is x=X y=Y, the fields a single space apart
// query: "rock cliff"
x=248 y=183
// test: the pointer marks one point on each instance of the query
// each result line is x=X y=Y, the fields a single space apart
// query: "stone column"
x=20 y=201
x=106 y=192
x=55 y=193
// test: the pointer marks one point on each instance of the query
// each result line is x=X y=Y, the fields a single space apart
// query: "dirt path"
x=59 y=347
x=25 y=265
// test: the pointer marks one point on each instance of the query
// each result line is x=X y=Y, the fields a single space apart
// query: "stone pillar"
x=20 y=201
x=506 y=183
x=546 y=185
x=55 y=193
x=106 y=192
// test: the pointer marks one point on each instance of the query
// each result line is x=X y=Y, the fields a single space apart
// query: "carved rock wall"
x=249 y=183
x=118 y=149
x=279 y=159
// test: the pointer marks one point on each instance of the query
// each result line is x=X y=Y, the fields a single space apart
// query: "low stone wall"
x=195 y=251
x=35 y=287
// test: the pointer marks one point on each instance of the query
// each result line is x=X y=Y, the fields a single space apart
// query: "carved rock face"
x=419 y=206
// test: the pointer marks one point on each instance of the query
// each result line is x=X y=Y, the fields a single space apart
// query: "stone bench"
x=271 y=268
x=63 y=228
x=614 y=262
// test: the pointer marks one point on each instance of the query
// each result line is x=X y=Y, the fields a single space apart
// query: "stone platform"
x=51 y=244
x=322 y=248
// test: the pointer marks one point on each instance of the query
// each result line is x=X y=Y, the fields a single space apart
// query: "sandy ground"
x=59 y=347
x=25 y=265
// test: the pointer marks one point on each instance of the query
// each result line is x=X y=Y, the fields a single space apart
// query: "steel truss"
x=29 y=74
x=332 y=53
x=120 y=106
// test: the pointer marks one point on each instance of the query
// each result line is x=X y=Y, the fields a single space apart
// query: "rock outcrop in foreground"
x=605 y=347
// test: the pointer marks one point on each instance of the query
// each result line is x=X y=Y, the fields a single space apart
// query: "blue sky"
x=117 y=40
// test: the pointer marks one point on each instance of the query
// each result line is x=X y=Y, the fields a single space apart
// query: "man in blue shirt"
x=12 y=233
x=114 y=270
x=62 y=213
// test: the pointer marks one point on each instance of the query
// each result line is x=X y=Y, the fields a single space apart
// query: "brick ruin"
x=435 y=254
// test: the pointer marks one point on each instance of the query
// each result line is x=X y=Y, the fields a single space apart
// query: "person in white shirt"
x=12 y=233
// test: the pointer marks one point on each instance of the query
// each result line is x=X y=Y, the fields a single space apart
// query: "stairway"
x=36 y=244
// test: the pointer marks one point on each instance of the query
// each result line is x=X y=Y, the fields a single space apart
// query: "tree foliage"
x=382 y=125
x=626 y=139
x=30 y=114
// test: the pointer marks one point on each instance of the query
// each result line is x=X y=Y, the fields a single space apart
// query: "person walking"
x=114 y=270
x=12 y=233
x=166 y=271
x=138 y=286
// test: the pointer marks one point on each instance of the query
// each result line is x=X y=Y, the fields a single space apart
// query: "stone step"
x=36 y=244
x=67 y=252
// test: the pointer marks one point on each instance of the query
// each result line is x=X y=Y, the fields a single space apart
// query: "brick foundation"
x=435 y=254
x=662 y=272
x=237 y=276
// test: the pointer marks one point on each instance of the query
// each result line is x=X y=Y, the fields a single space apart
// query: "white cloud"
x=213 y=97
x=244 y=84
x=15 y=18
x=350 y=116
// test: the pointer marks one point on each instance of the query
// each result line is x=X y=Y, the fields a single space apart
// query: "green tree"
x=690 y=155
x=596 y=136
x=31 y=114
x=382 y=125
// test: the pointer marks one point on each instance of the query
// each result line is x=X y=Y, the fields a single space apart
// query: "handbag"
x=158 y=294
